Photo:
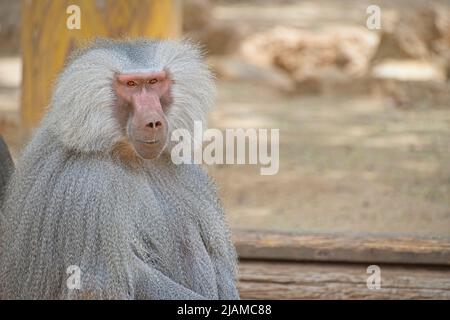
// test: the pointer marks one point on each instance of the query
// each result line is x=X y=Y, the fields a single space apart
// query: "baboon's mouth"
x=148 y=141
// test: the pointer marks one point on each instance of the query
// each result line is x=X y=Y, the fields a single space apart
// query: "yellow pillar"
x=46 y=40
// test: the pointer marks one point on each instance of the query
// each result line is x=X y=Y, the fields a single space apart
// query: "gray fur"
x=6 y=166
x=153 y=232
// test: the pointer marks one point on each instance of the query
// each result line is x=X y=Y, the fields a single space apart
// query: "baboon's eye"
x=131 y=83
x=153 y=81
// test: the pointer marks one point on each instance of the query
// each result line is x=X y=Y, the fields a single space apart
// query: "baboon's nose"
x=154 y=124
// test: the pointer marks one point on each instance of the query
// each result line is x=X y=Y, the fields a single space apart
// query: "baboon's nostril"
x=154 y=124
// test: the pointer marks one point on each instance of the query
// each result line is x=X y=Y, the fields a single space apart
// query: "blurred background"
x=364 y=115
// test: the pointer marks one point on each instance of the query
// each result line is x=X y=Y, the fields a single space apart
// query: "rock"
x=317 y=62
x=305 y=53
x=420 y=33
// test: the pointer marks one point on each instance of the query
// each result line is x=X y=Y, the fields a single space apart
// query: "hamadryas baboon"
x=96 y=188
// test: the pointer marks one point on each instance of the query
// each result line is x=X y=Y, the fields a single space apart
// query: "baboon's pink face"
x=142 y=102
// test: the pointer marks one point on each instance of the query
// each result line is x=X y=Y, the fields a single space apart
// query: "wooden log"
x=303 y=280
x=46 y=41
x=341 y=248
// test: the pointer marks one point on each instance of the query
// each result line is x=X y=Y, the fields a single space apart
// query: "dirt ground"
x=346 y=165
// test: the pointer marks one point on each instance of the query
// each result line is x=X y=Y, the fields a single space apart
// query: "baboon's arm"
x=152 y=284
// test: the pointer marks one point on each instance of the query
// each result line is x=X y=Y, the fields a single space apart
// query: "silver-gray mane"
x=86 y=126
